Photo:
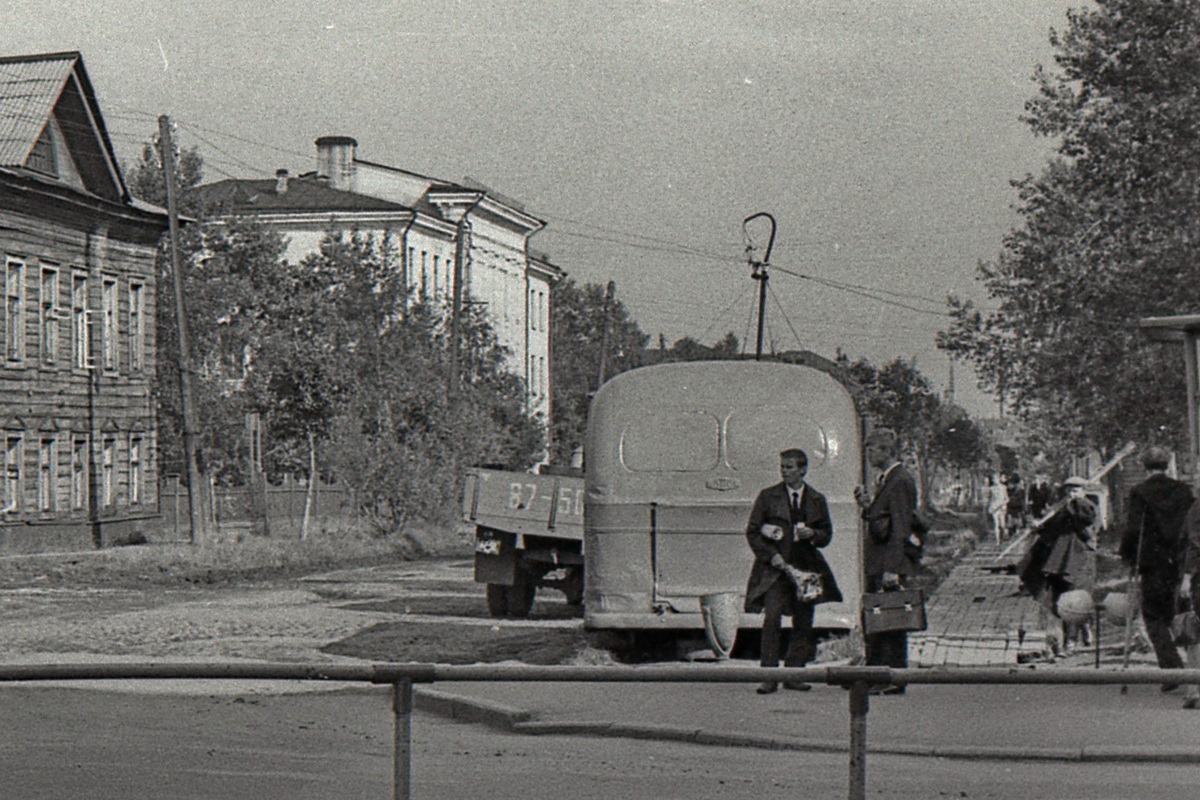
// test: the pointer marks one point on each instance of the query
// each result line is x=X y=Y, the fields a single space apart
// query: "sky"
x=881 y=136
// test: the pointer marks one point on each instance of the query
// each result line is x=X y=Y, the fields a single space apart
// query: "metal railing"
x=402 y=677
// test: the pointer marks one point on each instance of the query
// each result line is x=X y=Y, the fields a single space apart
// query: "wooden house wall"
x=62 y=401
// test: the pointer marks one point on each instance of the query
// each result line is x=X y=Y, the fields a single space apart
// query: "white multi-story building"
x=440 y=229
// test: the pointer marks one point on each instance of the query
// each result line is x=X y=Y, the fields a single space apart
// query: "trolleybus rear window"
x=749 y=431
x=688 y=441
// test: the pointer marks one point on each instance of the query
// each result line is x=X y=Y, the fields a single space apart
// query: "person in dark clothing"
x=892 y=544
x=1040 y=496
x=788 y=525
x=1189 y=591
x=1056 y=561
x=1153 y=547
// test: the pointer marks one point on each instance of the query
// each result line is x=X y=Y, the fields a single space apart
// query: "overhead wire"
x=619 y=237
x=783 y=312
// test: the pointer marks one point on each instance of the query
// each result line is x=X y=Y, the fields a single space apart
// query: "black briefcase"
x=892 y=612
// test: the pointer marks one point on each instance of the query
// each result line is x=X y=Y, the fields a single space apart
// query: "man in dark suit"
x=1153 y=546
x=892 y=544
x=788 y=524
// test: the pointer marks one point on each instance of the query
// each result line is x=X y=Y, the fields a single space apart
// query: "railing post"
x=860 y=703
x=402 y=706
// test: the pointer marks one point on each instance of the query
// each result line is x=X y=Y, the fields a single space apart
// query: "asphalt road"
x=72 y=743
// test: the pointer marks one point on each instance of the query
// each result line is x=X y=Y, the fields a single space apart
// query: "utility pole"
x=758 y=271
x=196 y=505
x=609 y=296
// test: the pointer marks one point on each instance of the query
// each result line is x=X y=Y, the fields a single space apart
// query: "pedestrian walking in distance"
x=997 y=506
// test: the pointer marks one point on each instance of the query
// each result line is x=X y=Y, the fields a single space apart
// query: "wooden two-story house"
x=78 y=431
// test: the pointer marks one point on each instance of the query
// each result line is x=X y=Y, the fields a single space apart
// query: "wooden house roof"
x=47 y=103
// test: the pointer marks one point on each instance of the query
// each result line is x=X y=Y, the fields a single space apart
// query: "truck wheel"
x=520 y=596
x=497 y=599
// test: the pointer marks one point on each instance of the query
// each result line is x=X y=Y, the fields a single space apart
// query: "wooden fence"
x=264 y=509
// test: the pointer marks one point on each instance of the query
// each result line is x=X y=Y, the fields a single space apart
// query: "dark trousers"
x=888 y=650
x=802 y=645
x=1159 y=588
x=885 y=649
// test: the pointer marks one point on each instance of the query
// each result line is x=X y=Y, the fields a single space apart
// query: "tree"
x=358 y=386
x=1110 y=235
x=146 y=180
x=898 y=396
x=579 y=317
x=690 y=349
x=230 y=280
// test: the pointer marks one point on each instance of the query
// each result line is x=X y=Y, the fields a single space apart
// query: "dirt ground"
x=425 y=610
x=414 y=611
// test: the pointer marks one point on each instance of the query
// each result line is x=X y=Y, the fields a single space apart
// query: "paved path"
x=977 y=617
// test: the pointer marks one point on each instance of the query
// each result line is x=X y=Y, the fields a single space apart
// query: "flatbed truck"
x=528 y=531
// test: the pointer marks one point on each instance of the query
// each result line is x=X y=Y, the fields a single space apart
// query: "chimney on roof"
x=281 y=181
x=335 y=161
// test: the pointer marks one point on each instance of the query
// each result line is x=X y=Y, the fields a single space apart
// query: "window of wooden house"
x=50 y=315
x=47 y=473
x=108 y=473
x=81 y=340
x=109 y=308
x=14 y=310
x=79 y=477
x=531 y=313
x=137 y=326
x=135 y=470
x=13 y=452
x=42 y=157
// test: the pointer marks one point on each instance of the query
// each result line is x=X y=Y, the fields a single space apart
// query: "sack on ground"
x=892 y=612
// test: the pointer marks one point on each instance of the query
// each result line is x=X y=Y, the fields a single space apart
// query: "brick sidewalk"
x=977 y=617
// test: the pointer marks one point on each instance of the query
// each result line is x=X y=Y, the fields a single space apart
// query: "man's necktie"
x=795 y=506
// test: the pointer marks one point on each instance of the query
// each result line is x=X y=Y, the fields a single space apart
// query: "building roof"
x=304 y=194
x=34 y=89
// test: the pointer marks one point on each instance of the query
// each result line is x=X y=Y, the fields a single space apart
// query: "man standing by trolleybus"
x=788 y=524
x=891 y=541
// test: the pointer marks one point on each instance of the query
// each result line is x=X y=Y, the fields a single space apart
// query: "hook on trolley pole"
x=758 y=271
